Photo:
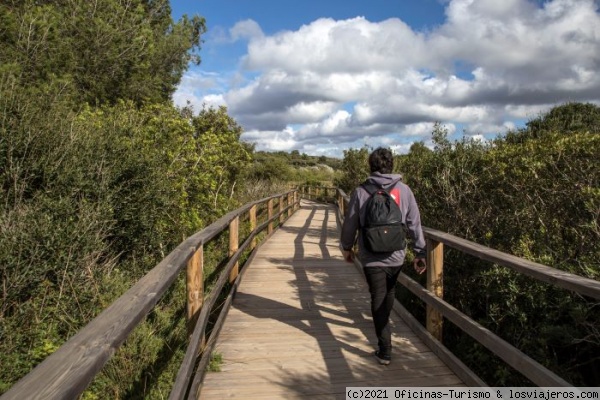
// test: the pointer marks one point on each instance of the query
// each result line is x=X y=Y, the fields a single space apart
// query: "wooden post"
x=296 y=205
x=252 y=217
x=270 y=215
x=281 y=218
x=289 y=203
x=435 y=284
x=233 y=246
x=195 y=287
x=341 y=204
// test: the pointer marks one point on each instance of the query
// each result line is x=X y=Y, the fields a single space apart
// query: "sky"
x=323 y=76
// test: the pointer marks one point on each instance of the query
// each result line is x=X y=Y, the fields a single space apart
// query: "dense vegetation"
x=100 y=176
x=534 y=193
x=294 y=168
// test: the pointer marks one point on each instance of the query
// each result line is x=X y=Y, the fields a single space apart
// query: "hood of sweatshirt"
x=383 y=180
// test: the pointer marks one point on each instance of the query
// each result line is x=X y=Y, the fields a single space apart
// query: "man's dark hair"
x=381 y=160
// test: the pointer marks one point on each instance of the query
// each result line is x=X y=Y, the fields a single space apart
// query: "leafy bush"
x=100 y=177
x=533 y=194
x=85 y=192
x=355 y=169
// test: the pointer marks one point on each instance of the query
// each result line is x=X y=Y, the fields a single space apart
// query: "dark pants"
x=382 y=286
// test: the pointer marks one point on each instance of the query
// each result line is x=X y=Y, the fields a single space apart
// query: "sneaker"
x=382 y=358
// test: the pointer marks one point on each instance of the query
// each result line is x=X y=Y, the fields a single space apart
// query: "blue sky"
x=324 y=76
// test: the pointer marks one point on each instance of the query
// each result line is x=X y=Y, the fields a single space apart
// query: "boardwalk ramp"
x=300 y=325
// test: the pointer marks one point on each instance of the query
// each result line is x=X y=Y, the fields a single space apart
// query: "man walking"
x=382 y=268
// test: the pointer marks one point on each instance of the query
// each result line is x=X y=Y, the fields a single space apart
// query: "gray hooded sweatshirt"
x=355 y=217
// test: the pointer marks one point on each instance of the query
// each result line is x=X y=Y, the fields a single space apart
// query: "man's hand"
x=348 y=255
x=419 y=265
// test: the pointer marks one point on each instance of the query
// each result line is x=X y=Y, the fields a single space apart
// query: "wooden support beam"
x=270 y=215
x=281 y=217
x=252 y=217
x=233 y=246
x=435 y=284
x=195 y=287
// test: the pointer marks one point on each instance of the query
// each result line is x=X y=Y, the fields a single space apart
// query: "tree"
x=355 y=169
x=272 y=169
x=101 y=51
x=564 y=119
x=221 y=157
x=91 y=200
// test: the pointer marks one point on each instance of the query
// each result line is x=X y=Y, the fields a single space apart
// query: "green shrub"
x=534 y=195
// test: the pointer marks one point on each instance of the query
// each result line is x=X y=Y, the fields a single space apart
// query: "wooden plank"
x=407 y=344
x=335 y=369
x=406 y=347
x=314 y=384
x=368 y=374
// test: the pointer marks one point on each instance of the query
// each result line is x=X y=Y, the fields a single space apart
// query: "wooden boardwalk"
x=300 y=324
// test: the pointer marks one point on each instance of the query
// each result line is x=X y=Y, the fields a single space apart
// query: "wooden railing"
x=437 y=308
x=67 y=372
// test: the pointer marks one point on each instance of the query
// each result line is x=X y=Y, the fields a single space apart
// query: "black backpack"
x=383 y=230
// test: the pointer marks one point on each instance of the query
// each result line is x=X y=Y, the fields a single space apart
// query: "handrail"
x=67 y=372
x=437 y=308
x=565 y=280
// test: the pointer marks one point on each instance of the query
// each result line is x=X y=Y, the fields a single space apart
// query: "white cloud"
x=271 y=140
x=214 y=100
x=191 y=83
x=420 y=129
x=338 y=84
x=327 y=46
x=199 y=90
x=517 y=41
x=247 y=29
